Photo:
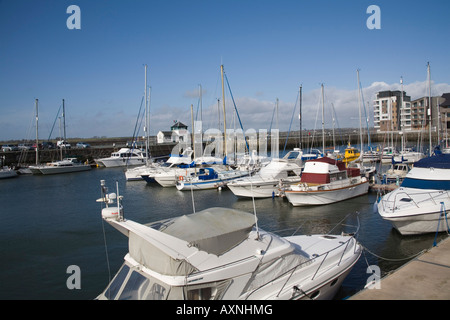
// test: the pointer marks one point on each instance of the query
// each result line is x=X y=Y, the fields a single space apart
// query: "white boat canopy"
x=165 y=245
x=214 y=230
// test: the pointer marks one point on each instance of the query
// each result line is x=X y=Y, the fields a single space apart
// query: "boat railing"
x=400 y=196
x=324 y=256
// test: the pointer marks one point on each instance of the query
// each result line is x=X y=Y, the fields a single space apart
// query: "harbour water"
x=49 y=223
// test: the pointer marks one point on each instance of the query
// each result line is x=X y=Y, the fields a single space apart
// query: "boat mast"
x=300 y=118
x=37 y=137
x=359 y=105
x=429 y=106
x=323 y=123
x=64 y=121
x=146 y=126
x=193 y=132
x=224 y=116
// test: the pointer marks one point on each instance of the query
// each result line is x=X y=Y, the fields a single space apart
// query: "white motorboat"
x=396 y=173
x=388 y=154
x=169 y=178
x=371 y=156
x=326 y=181
x=422 y=202
x=65 y=165
x=149 y=169
x=408 y=155
x=209 y=178
x=123 y=157
x=266 y=182
x=220 y=253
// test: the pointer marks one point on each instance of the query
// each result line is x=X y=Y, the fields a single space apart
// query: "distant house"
x=178 y=132
x=164 y=137
x=178 y=126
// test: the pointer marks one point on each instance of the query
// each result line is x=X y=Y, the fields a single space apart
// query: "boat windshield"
x=130 y=284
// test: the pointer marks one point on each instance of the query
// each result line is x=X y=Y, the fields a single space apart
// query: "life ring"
x=180 y=178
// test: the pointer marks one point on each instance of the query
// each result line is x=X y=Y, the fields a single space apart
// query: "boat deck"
x=426 y=277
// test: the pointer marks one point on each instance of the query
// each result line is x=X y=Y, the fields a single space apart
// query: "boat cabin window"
x=291 y=173
x=206 y=291
x=292 y=155
x=117 y=282
x=338 y=176
x=199 y=294
x=130 y=284
x=135 y=287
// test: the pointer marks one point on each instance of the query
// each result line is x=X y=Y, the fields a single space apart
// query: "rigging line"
x=106 y=251
x=394 y=260
x=54 y=122
x=235 y=108
x=136 y=128
x=290 y=124
x=271 y=121
x=367 y=119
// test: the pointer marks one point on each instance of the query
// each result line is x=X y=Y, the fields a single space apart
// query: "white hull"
x=261 y=190
x=166 y=181
x=257 y=189
x=419 y=215
x=419 y=224
x=267 y=181
x=134 y=175
x=321 y=197
x=221 y=181
x=409 y=157
x=56 y=170
x=7 y=173
x=121 y=162
x=122 y=158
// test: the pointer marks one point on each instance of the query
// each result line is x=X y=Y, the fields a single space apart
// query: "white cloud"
x=257 y=114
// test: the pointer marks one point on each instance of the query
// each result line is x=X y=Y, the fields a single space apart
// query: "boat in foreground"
x=326 y=181
x=421 y=204
x=220 y=253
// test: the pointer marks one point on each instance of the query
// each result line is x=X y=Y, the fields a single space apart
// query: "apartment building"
x=392 y=111
x=396 y=112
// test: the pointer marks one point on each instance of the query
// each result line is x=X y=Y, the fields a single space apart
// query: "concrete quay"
x=426 y=277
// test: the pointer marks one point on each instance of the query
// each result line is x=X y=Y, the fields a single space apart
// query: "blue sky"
x=268 y=48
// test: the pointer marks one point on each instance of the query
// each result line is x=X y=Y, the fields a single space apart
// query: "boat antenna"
x=118 y=200
x=104 y=191
x=254 y=209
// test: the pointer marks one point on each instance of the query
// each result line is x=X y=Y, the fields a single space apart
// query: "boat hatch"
x=406 y=199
